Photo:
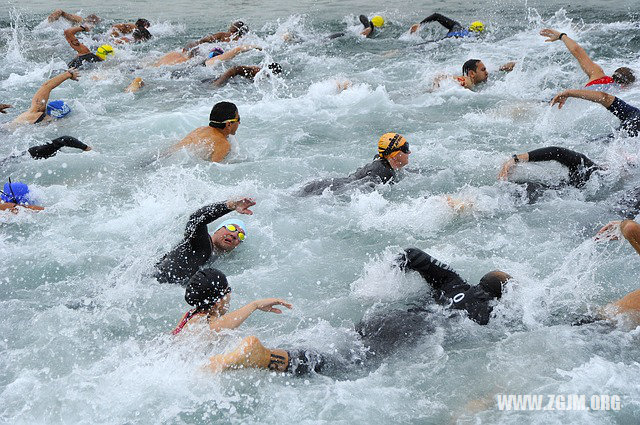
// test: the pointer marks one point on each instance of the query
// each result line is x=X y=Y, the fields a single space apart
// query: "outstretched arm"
x=592 y=69
x=605 y=99
x=219 y=36
x=244 y=71
x=70 y=36
x=40 y=99
x=231 y=54
x=574 y=161
x=59 y=13
x=448 y=23
x=628 y=228
x=236 y=318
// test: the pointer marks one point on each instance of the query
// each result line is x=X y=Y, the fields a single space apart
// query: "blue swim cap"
x=235 y=221
x=216 y=51
x=58 y=109
x=17 y=193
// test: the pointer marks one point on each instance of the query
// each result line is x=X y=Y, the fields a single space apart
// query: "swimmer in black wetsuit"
x=393 y=155
x=184 y=260
x=84 y=54
x=454 y=28
x=50 y=149
x=628 y=115
x=367 y=31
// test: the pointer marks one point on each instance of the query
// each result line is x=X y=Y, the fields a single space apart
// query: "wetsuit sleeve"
x=50 y=149
x=439 y=275
x=580 y=167
x=629 y=115
x=205 y=215
x=448 y=23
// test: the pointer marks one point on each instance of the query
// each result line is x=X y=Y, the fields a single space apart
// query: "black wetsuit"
x=628 y=115
x=49 y=149
x=580 y=167
x=448 y=23
x=184 y=260
x=79 y=61
x=378 y=171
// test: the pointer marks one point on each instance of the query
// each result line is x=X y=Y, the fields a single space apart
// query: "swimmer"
x=451 y=290
x=368 y=27
x=176 y=57
x=628 y=115
x=622 y=76
x=84 y=54
x=581 y=169
x=473 y=72
x=248 y=72
x=237 y=30
x=198 y=247
x=4 y=107
x=393 y=155
x=212 y=141
x=41 y=109
x=118 y=30
x=454 y=28
x=14 y=195
x=74 y=19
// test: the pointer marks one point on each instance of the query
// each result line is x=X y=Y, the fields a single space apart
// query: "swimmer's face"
x=222 y=306
x=399 y=160
x=233 y=126
x=480 y=75
x=225 y=240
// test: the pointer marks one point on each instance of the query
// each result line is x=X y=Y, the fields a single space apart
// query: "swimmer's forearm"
x=605 y=99
x=234 y=319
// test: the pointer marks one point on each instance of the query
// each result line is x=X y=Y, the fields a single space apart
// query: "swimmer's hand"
x=508 y=67
x=241 y=205
x=414 y=28
x=552 y=35
x=506 y=169
x=74 y=74
x=4 y=106
x=610 y=232
x=268 y=304
x=560 y=99
x=87 y=149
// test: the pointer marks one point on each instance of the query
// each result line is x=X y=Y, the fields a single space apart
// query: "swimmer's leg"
x=50 y=149
x=250 y=354
x=135 y=85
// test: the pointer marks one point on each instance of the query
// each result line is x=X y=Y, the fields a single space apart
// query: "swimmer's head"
x=239 y=28
x=141 y=34
x=92 y=19
x=206 y=288
x=57 y=109
x=475 y=69
x=216 y=51
x=377 y=21
x=492 y=283
x=476 y=26
x=224 y=115
x=229 y=234
x=394 y=148
x=275 y=68
x=15 y=192
x=623 y=76
x=104 y=51
x=142 y=23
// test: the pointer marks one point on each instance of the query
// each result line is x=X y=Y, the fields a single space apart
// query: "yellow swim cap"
x=476 y=26
x=378 y=21
x=389 y=144
x=105 y=50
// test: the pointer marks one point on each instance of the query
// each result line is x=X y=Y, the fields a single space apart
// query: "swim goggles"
x=226 y=121
x=232 y=228
x=403 y=148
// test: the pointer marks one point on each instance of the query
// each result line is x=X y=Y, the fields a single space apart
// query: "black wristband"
x=515 y=158
x=560 y=36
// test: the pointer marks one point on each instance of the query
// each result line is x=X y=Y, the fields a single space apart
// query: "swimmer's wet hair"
x=143 y=23
x=470 y=65
x=623 y=76
x=240 y=28
x=220 y=112
x=275 y=68
x=141 y=34
x=206 y=288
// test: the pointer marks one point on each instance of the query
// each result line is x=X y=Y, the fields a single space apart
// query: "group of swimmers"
x=207 y=289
